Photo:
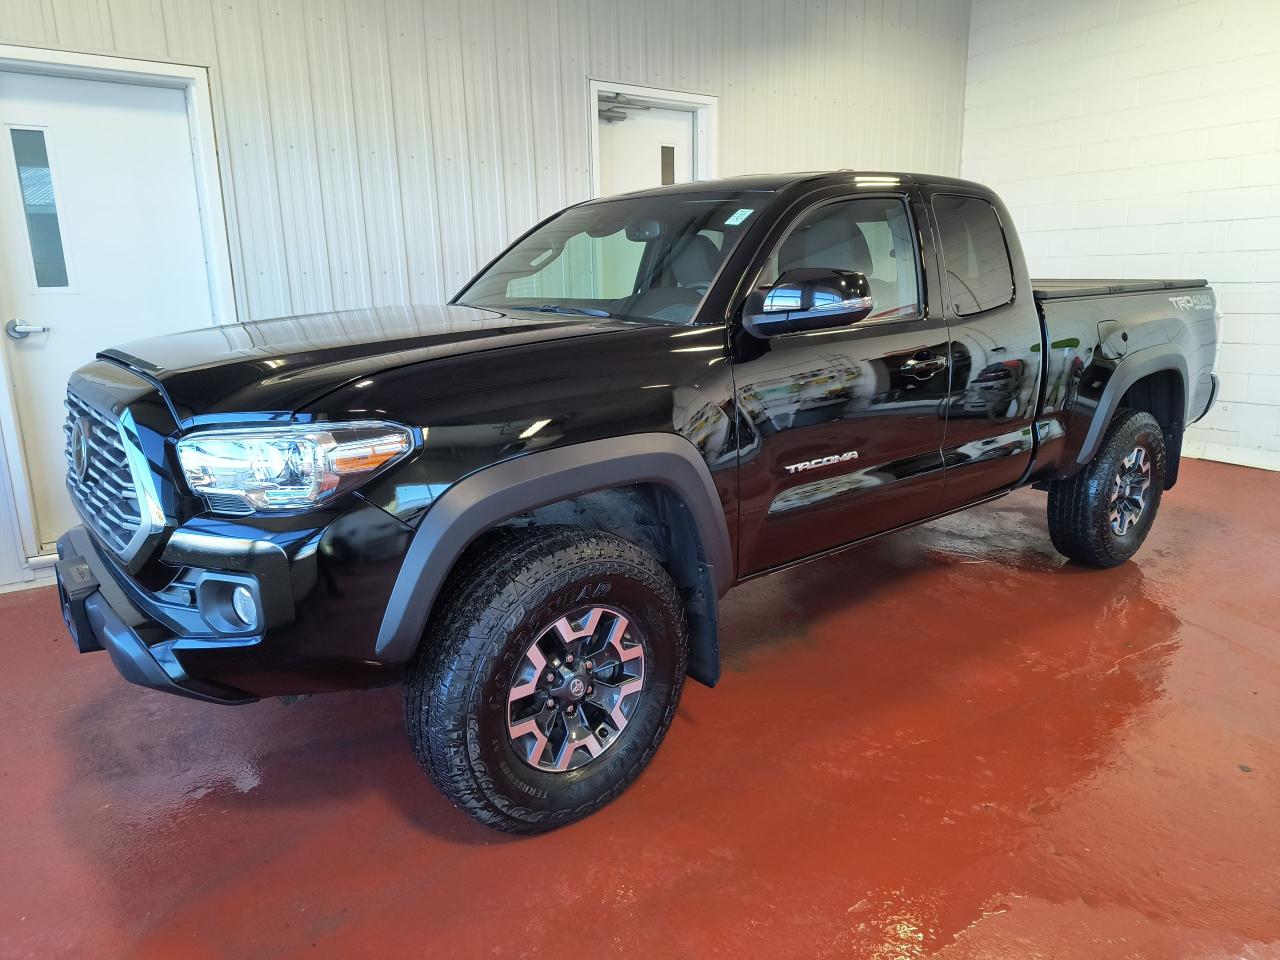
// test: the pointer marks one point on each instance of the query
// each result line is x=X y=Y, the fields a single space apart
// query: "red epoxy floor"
x=943 y=744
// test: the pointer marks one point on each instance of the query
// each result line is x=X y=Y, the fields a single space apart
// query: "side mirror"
x=808 y=298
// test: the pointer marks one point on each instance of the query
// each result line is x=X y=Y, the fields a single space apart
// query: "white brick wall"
x=1142 y=138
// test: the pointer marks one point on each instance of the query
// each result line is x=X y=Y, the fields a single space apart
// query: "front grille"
x=104 y=491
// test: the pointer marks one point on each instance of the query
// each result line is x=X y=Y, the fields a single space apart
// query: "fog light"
x=242 y=603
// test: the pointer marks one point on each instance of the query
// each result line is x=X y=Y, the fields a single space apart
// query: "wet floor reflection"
x=944 y=743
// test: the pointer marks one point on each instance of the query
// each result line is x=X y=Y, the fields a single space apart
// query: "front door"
x=100 y=243
x=841 y=430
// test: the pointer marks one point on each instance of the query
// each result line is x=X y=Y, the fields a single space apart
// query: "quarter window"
x=974 y=254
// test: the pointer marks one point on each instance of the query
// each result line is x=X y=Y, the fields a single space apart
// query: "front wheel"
x=1101 y=516
x=549 y=679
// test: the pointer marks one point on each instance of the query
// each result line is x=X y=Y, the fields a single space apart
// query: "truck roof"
x=773 y=182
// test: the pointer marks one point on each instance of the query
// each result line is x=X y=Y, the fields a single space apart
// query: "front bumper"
x=101 y=617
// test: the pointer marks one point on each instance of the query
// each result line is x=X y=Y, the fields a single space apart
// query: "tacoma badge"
x=822 y=462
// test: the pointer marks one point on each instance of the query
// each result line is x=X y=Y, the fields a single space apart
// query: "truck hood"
x=272 y=368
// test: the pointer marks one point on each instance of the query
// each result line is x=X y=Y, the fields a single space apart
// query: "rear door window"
x=974 y=254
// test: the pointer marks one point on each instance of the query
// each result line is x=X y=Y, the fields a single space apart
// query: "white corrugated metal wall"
x=378 y=151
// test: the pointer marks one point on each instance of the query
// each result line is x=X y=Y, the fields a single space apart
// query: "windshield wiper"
x=555 y=308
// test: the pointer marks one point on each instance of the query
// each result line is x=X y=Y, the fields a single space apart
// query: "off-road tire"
x=456 y=689
x=1080 y=506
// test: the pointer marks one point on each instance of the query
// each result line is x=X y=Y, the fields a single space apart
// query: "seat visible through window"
x=694 y=261
x=870 y=236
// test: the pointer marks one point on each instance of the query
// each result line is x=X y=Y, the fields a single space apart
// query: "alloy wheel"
x=574 y=689
x=1129 y=492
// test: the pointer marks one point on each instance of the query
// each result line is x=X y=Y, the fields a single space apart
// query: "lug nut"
x=568 y=658
x=551 y=678
x=590 y=690
x=591 y=665
x=569 y=709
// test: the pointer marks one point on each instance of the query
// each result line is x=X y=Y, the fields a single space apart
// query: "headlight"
x=287 y=468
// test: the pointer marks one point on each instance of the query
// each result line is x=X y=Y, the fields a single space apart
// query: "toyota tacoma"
x=527 y=504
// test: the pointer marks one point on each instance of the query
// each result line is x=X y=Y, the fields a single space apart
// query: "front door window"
x=871 y=236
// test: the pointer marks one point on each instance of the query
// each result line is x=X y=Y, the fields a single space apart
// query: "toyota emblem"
x=80 y=448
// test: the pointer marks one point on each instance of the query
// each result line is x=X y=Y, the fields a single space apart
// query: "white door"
x=100 y=243
x=649 y=148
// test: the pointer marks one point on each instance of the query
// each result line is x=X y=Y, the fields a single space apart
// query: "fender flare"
x=496 y=493
x=1129 y=371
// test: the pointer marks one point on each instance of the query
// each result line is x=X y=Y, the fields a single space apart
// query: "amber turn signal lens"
x=361 y=456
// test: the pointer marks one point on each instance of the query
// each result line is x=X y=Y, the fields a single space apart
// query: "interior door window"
x=871 y=236
x=35 y=181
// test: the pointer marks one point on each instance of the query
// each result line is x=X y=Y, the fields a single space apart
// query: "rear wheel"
x=546 y=684
x=1102 y=515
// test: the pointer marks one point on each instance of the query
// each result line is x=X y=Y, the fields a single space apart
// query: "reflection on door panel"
x=995 y=355
x=860 y=409
x=825 y=401
x=990 y=410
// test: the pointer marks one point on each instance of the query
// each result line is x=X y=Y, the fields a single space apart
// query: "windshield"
x=643 y=258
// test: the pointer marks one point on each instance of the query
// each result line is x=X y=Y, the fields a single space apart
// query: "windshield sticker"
x=738 y=217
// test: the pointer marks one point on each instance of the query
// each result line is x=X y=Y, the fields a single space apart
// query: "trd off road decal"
x=1193 y=301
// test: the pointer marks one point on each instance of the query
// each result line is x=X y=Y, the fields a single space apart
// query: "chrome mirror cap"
x=809 y=299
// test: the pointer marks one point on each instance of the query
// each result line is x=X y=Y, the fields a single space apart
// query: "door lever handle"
x=20 y=331
x=923 y=366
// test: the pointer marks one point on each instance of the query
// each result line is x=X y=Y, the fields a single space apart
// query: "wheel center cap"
x=577 y=687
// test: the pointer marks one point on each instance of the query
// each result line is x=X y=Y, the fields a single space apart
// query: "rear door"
x=995 y=344
x=841 y=430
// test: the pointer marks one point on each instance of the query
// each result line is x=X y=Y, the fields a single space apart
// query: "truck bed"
x=1063 y=289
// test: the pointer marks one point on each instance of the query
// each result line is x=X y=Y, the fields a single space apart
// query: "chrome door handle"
x=923 y=365
x=19 y=330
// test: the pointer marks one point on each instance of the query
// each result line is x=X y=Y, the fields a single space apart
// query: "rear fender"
x=1129 y=371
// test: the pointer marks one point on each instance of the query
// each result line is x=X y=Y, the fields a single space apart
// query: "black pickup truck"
x=526 y=504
